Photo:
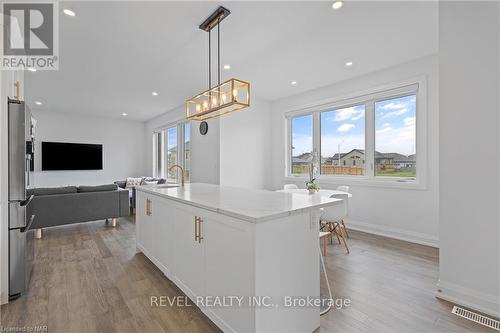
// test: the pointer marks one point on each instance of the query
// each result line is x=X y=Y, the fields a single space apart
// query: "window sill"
x=382 y=182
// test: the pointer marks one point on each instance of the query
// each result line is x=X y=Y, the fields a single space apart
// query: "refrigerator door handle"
x=28 y=226
x=27 y=201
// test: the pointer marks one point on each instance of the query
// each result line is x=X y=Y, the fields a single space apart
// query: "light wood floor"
x=88 y=278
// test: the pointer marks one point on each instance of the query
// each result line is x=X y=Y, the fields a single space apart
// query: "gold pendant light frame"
x=226 y=97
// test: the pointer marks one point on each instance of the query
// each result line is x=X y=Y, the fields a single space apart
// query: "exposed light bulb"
x=198 y=107
x=69 y=12
x=224 y=98
x=337 y=5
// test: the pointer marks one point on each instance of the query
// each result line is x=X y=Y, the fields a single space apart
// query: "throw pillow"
x=132 y=182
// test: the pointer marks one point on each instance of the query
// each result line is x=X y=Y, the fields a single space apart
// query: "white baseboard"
x=4 y=299
x=473 y=299
x=396 y=233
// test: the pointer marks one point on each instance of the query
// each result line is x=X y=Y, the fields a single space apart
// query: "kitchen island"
x=249 y=259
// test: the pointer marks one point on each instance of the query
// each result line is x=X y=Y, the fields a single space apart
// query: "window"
x=158 y=156
x=302 y=144
x=187 y=151
x=171 y=152
x=342 y=139
x=395 y=137
x=172 y=146
x=371 y=136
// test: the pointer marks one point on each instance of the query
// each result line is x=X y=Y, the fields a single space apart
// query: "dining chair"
x=290 y=187
x=344 y=188
x=332 y=217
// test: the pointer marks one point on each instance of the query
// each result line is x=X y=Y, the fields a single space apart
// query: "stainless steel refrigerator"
x=21 y=172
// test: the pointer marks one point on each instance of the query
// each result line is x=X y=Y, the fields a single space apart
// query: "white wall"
x=122 y=140
x=408 y=214
x=245 y=150
x=469 y=86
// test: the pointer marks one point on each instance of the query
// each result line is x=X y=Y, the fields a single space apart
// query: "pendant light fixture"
x=224 y=97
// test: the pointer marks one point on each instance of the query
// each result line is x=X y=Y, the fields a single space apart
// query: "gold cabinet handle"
x=195 y=228
x=147 y=205
x=150 y=207
x=200 y=237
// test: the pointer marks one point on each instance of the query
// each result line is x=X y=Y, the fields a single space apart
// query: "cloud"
x=384 y=130
x=348 y=142
x=399 y=139
x=395 y=113
x=345 y=127
x=302 y=144
x=352 y=113
x=409 y=121
x=394 y=106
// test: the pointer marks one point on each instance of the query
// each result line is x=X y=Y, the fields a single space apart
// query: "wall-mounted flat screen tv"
x=71 y=156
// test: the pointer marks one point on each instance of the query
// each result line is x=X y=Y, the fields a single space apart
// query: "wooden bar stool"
x=323 y=236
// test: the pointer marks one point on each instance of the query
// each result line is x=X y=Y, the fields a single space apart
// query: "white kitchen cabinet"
x=252 y=244
x=188 y=253
x=162 y=234
x=144 y=223
x=229 y=267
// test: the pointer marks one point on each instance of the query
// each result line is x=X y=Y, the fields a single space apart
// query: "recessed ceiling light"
x=337 y=5
x=38 y=103
x=154 y=93
x=31 y=69
x=69 y=12
x=348 y=64
x=124 y=114
x=227 y=67
x=293 y=83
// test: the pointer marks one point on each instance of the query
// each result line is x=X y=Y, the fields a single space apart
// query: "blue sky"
x=171 y=138
x=394 y=121
x=395 y=126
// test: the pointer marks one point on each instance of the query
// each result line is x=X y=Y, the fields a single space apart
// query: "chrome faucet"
x=182 y=172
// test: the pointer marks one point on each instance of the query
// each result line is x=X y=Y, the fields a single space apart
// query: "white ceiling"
x=114 y=54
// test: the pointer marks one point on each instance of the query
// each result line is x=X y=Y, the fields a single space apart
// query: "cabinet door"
x=229 y=269
x=188 y=255
x=143 y=223
x=163 y=237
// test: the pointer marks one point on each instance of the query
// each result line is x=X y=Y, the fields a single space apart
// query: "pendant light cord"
x=209 y=61
x=218 y=51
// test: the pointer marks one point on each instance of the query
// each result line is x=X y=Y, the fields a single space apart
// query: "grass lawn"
x=397 y=173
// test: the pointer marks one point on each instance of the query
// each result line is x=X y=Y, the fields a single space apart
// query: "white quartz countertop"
x=246 y=204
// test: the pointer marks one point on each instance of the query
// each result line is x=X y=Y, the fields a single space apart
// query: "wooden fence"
x=330 y=170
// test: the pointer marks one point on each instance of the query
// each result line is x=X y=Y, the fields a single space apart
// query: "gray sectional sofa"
x=71 y=204
x=123 y=184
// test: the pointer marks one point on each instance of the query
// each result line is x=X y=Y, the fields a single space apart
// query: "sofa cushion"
x=52 y=190
x=121 y=183
x=98 y=188
x=132 y=182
